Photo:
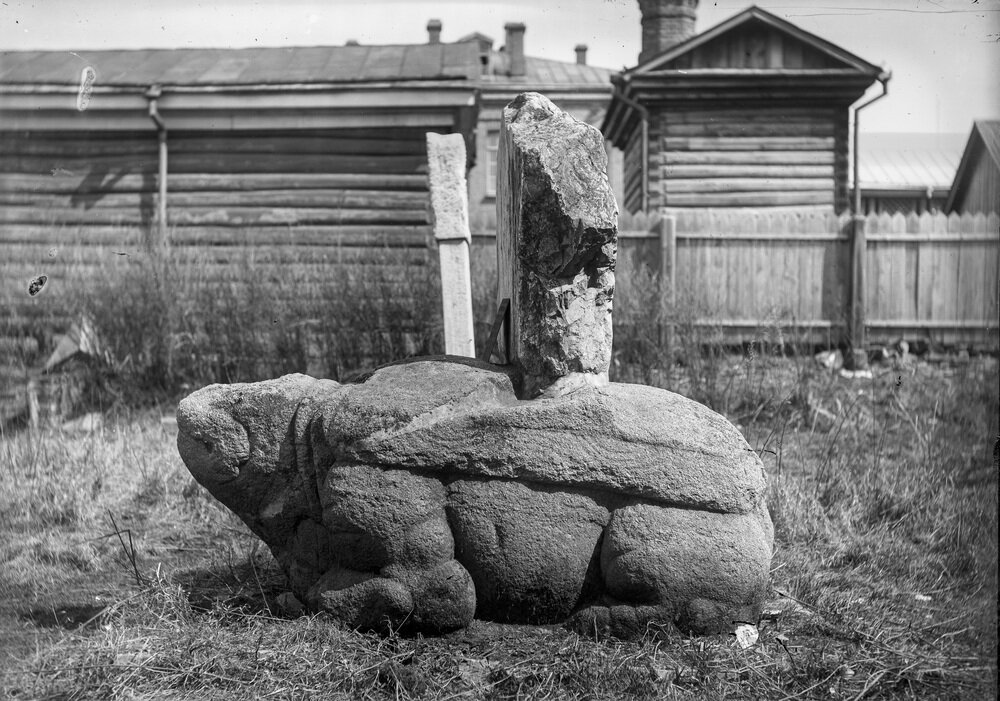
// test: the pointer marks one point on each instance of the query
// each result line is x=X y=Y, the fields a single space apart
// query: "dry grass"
x=121 y=578
x=885 y=573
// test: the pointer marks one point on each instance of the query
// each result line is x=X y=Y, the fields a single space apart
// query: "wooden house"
x=753 y=112
x=317 y=147
x=976 y=188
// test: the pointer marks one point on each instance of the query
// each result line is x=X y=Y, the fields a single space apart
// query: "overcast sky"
x=944 y=54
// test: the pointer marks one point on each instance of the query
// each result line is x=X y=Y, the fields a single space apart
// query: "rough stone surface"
x=557 y=228
x=428 y=493
x=449 y=195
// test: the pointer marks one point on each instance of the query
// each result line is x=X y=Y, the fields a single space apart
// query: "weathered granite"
x=429 y=493
x=557 y=227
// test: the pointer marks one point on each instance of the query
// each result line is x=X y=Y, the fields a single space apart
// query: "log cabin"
x=753 y=112
x=320 y=149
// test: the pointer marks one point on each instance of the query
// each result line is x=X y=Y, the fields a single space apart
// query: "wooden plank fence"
x=825 y=278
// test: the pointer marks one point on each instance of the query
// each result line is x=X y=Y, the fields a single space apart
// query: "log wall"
x=311 y=198
x=749 y=156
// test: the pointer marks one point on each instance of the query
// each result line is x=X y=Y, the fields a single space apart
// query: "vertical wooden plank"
x=857 y=341
x=991 y=298
x=668 y=278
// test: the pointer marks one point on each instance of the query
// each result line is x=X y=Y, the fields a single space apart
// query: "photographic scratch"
x=87 y=77
x=36 y=285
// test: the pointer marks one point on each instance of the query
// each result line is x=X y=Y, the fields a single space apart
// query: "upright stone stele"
x=450 y=202
x=557 y=229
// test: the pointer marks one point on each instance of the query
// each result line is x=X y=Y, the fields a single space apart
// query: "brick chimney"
x=514 y=47
x=581 y=54
x=434 y=31
x=665 y=23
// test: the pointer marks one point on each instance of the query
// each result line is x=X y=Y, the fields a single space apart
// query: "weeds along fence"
x=817 y=277
x=224 y=309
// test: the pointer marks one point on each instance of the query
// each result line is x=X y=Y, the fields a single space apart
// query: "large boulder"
x=428 y=493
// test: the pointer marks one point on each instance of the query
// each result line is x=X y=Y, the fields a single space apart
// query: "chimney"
x=434 y=31
x=665 y=24
x=515 y=47
x=581 y=54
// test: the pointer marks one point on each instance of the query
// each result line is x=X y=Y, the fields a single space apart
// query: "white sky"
x=944 y=54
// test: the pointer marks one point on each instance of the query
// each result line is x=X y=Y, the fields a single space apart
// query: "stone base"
x=428 y=494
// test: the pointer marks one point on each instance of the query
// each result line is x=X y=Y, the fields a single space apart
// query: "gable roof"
x=751 y=15
x=786 y=63
x=243 y=67
x=984 y=140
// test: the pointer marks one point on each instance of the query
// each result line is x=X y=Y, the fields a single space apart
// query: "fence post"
x=557 y=230
x=857 y=343
x=668 y=280
x=450 y=202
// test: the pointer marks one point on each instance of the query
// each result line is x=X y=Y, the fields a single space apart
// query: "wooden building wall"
x=632 y=164
x=313 y=198
x=748 y=156
x=981 y=192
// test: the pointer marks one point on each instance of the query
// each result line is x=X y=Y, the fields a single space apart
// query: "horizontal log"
x=745 y=171
x=121 y=238
x=200 y=162
x=384 y=133
x=747 y=114
x=348 y=199
x=94 y=166
x=220 y=265
x=750 y=199
x=176 y=182
x=237 y=119
x=219 y=216
x=304 y=144
x=746 y=184
x=41 y=145
x=743 y=129
x=744 y=157
x=748 y=143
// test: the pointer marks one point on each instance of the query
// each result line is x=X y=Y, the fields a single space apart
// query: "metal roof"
x=901 y=161
x=254 y=66
x=544 y=71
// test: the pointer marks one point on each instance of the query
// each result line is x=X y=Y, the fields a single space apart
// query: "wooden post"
x=557 y=230
x=668 y=277
x=857 y=342
x=450 y=202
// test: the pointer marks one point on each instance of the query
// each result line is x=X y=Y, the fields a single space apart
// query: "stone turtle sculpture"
x=429 y=494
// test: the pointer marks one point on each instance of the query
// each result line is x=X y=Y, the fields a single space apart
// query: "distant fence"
x=826 y=278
